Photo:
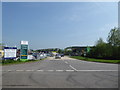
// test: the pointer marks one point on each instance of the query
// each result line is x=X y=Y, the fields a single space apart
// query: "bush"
x=104 y=51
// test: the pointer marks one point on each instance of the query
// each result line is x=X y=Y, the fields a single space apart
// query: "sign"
x=88 y=49
x=24 y=51
x=30 y=57
x=10 y=52
x=24 y=42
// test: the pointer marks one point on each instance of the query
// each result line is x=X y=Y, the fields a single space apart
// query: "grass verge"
x=96 y=60
x=10 y=62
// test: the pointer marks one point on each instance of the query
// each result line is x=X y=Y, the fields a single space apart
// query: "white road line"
x=29 y=70
x=73 y=68
x=66 y=70
x=66 y=62
x=94 y=70
x=9 y=70
x=60 y=70
x=69 y=70
x=19 y=70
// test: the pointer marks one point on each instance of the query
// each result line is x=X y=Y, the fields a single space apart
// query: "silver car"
x=57 y=56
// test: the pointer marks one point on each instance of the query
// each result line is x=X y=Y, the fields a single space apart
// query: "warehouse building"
x=78 y=50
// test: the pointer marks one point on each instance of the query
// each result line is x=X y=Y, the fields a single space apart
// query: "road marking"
x=9 y=70
x=94 y=70
x=66 y=62
x=60 y=70
x=73 y=68
x=29 y=70
x=63 y=70
x=69 y=70
x=19 y=70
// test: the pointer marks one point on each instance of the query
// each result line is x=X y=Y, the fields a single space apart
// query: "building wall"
x=78 y=50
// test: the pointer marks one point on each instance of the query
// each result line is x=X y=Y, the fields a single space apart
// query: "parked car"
x=57 y=56
x=62 y=55
x=48 y=54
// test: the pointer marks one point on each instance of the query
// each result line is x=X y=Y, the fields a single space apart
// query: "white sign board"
x=30 y=57
x=24 y=42
x=10 y=52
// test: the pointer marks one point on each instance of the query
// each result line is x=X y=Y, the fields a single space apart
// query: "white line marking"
x=94 y=70
x=65 y=70
x=73 y=68
x=40 y=70
x=19 y=70
x=66 y=62
x=29 y=70
x=60 y=70
x=70 y=70
x=9 y=70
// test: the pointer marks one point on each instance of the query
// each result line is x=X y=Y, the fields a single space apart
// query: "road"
x=60 y=73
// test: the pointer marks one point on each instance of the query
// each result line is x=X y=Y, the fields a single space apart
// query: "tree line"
x=109 y=49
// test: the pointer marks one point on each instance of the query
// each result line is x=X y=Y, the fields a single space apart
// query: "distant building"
x=78 y=50
x=48 y=50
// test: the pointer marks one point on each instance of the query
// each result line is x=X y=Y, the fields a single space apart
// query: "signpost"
x=10 y=52
x=24 y=51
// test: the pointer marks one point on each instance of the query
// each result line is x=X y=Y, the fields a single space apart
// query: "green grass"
x=96 y=60
x=9 y=62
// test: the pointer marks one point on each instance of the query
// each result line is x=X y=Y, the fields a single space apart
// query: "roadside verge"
x=10 y=62
x=96 y=60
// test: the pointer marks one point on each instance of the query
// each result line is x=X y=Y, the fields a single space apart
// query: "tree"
x=101 y=50
x=114 y=37
x=68 y=51
x=110 y=50
x=100 y=42
x=60 y=51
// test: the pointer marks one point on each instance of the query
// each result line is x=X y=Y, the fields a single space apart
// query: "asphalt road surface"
x=60 y=73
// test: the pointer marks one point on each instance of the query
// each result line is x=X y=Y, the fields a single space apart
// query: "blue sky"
x=57 y=24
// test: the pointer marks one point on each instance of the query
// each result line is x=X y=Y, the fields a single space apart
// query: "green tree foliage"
x=114 y=37
x=60 y=51
x=110 y=50
x=100 y=50
x=68 y=51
